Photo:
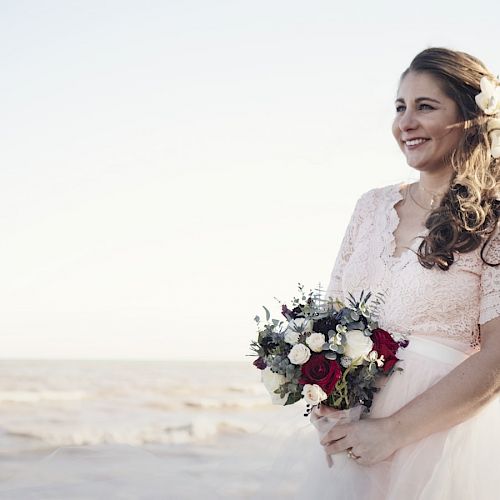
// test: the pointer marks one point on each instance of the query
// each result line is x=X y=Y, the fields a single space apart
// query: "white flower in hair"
x=489 y=98
x=495 y=144
x=494 y=132
x=493 y=124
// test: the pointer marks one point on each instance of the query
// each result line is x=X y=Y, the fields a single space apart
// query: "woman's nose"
x=408 y=121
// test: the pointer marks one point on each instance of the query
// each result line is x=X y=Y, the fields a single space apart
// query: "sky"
x=169 y=167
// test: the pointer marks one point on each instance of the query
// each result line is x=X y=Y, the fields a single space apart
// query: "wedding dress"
x=441 y=312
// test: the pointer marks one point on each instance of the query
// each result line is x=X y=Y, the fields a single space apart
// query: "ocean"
x=210 y=422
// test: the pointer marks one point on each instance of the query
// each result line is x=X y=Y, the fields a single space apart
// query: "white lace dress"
x=442 y=311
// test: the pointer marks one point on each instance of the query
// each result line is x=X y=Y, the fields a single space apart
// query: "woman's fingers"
x=334 y=434
x=325 y=411
x=337 y=446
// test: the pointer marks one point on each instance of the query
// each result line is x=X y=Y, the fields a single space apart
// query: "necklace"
x=435 y=195
x=416 y=202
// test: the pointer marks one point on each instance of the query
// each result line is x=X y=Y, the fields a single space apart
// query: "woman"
x=432 y=247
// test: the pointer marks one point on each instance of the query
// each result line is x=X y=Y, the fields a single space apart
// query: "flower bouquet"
x=325 y=351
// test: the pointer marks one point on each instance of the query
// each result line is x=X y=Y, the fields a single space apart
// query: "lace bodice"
x=447 y=305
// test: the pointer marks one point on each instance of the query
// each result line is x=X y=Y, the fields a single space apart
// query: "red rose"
x=386 y=346
x=321 y=371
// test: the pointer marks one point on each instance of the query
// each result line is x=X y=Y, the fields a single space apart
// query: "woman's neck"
x=436 y=182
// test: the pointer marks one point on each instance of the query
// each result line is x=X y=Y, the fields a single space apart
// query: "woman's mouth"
x=415 y=143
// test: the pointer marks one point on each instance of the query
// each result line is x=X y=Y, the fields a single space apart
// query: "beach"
x=182 y=428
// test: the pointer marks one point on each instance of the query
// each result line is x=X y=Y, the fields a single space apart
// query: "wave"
x=199 y=430
x=38 y=396
x=225 y=404
x=255 y=389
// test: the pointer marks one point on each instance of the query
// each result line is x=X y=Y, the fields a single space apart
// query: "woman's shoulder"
x=381 y=195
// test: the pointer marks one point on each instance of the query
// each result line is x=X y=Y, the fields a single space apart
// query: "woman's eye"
x=400 y=108
x=426 y=106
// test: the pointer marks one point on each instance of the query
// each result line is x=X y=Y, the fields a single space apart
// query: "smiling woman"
x=446 y=135
x=427 y=124
x=433 y=428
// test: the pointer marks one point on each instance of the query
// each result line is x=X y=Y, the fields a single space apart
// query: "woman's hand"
x=369 y=440
x=317 y=418
x=323 y=411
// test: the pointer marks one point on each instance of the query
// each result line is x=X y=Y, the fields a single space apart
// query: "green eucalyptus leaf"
x=268 y=314
x=358 y=325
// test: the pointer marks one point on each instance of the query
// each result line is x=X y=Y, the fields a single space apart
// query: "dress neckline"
x=395 y=196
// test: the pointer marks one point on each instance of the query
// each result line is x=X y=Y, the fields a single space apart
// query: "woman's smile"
x=427 y=126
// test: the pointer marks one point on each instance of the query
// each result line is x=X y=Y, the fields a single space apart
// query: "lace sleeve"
x=334 y=289
x=489 y=305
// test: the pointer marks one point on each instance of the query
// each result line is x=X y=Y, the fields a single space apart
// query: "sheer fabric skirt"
x=460 y=463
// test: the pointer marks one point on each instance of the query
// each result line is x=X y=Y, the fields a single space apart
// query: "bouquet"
x=325 y=351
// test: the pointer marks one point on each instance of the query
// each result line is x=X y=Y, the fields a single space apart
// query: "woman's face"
x=427 y=125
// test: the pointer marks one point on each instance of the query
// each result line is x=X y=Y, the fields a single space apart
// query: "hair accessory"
x=489 y=98
x=489 y=101
x=494 y=132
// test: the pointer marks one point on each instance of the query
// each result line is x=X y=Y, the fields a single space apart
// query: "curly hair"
x=470 y=210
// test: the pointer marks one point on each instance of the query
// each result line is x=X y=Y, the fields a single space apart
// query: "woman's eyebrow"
x=418 y=99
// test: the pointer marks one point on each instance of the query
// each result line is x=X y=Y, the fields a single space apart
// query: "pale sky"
x=168 y=167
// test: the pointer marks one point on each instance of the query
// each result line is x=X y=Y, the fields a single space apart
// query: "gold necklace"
x=416 y=202
x=435 y=195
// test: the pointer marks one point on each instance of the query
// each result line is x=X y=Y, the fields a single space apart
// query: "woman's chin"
x=417 y=165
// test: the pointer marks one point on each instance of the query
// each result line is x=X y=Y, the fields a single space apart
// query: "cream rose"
x=273 y=381
x=299 y=354
x=313 y=394
x=315 y=341
x=357 y=346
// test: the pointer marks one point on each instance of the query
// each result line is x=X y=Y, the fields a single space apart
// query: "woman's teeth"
x=414 y=142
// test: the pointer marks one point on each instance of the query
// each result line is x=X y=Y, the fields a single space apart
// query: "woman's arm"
x=456 y=397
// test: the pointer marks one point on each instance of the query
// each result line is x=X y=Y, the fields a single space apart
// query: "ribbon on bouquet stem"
x=324 y=424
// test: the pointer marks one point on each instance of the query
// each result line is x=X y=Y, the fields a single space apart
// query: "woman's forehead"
x=416 y=85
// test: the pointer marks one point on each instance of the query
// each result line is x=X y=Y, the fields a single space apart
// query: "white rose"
x=299 y=354
x=313 y=394
x=273 y=381
x=291 y=337
x=295 y=328
x=357 y=346
x=315 y=341
x=489 y=98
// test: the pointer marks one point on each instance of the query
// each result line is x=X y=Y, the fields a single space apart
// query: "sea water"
x=199 y=417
